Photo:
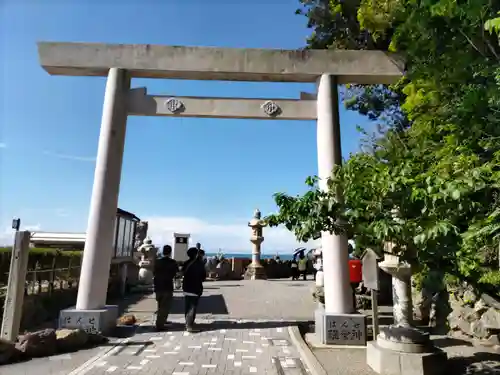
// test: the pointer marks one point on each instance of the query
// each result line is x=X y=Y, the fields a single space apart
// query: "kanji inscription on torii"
x=346 y=330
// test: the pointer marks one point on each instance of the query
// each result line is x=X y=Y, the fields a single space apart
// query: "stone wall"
x=474 y=316
x=237 y=266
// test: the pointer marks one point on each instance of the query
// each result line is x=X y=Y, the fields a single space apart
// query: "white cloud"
x=70 y=157
x=230 y=237
x=3 y=145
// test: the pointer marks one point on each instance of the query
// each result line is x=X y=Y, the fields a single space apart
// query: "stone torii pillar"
x=335 y=248
x=91 y=311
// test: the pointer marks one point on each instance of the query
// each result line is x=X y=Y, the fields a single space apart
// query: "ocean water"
x=249 y=255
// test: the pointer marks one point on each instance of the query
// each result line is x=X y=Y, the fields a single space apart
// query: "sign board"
x=345 y=330
x=370 y=269
x=180 y=247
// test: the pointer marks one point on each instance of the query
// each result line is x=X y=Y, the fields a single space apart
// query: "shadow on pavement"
x=209 y=304
x=214 y=304
x=129 y=300
x=221 y=324
x=125 y=332
x=222 y=286
x=446 y=342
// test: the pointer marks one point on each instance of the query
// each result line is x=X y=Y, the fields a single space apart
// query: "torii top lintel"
x=214 y=63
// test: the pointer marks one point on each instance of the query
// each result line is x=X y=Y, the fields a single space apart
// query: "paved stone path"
x=232 y=313
x=222 y=347
x=256 y=299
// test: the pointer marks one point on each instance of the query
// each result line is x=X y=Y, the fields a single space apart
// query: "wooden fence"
x=46 y=273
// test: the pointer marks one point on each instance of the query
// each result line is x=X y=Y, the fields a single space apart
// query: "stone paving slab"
x=61 y=364
x=232 y=347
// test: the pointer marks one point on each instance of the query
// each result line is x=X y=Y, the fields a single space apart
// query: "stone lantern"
x=401 y=348
x=255 y=270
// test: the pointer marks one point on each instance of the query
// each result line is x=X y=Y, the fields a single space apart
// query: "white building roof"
x=57 y=237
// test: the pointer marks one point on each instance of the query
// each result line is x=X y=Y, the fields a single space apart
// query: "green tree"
x=429 y=183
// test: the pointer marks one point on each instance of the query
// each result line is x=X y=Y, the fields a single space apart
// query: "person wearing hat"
x=192 y=285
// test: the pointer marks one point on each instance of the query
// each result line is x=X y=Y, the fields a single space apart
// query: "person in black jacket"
x=192 y=285
x=164 y=272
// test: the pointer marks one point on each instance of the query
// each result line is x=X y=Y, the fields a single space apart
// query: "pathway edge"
x=305 y=352
x=90 y=363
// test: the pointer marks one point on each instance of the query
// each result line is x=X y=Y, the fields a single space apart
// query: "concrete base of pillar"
x=390 y=362
x=92 y=321
x=340 y=329
x=255 y=272
x=405 y=339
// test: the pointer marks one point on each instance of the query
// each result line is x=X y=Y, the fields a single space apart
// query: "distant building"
x=123 y=242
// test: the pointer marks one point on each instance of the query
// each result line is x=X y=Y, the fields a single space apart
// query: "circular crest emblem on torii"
x=174 y=105
x=270 y=108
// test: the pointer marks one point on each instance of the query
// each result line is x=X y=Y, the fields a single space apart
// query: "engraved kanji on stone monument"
x=345 y=330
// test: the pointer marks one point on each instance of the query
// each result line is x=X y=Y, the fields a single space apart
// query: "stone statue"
x=146 y=264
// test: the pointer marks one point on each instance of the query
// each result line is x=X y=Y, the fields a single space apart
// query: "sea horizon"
x=282 y=256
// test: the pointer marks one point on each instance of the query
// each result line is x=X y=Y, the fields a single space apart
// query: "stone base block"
x=255 y=273
x=391 y=362
x=340 y=329
x=92 y=321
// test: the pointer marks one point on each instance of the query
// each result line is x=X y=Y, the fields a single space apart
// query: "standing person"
x=294 y=266
x=192 y=285
x=303 y=266
x=164 y=273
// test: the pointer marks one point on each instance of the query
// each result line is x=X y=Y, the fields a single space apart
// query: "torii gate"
x=121 y=62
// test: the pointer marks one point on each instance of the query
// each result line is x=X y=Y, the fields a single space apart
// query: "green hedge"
x=47 y=252
x=40 y=258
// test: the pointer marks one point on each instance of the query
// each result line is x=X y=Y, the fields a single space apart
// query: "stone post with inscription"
x=255 y=270
x=401 y=348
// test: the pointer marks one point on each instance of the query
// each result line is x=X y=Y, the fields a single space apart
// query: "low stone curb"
x=312 y=363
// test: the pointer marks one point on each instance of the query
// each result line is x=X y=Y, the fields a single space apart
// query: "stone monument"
x=148 y=254
x=401 y=348
x=255 y=270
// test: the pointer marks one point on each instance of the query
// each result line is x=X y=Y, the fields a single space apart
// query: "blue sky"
x=203 y=176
